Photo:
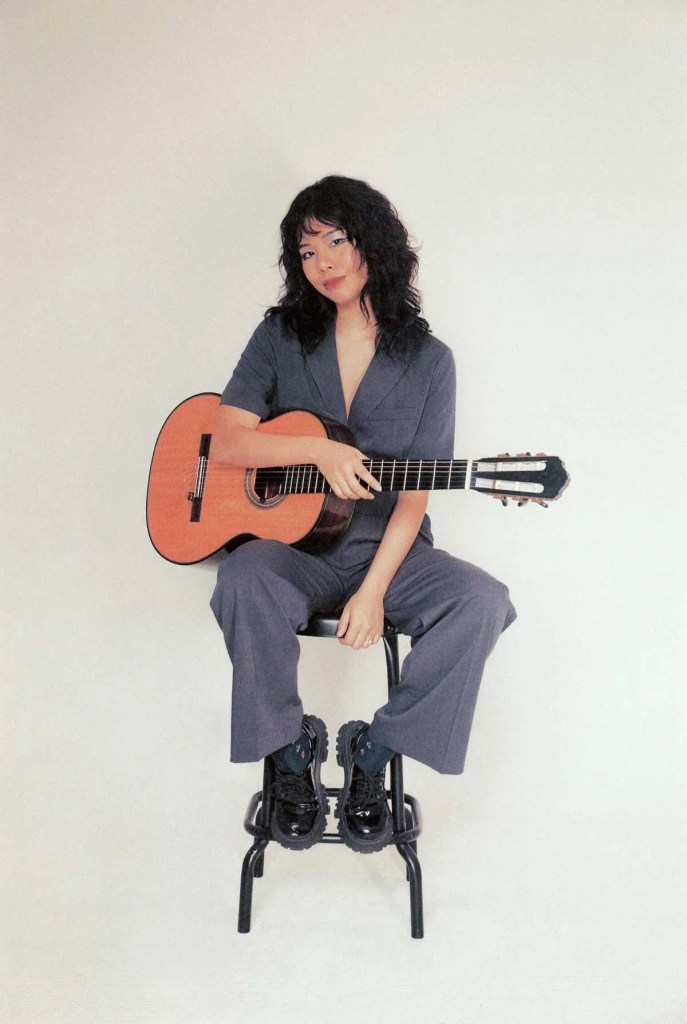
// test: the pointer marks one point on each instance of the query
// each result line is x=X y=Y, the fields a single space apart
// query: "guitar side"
x=196 y=506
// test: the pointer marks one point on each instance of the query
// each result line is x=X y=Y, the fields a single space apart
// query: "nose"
x=325 y=261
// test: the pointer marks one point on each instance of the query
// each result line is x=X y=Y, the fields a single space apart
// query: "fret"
x=426 y=475
x=434 y=474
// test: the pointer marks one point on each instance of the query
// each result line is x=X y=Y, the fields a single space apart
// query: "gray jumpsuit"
x=266 y=590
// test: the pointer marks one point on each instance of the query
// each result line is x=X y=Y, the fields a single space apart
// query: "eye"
x=339 y=240
x=306 y=255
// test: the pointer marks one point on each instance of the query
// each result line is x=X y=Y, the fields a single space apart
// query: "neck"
x=352 y=320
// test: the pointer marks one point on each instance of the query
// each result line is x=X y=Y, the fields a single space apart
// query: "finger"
x=343 y=623
x=352 y=639
x=366 y=475
x=360 y=639
x=356 y=635
x=343 y=489
x=356 y=487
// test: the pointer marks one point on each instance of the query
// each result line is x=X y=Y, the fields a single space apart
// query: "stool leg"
x=254 y=861
x=264 y=815
x=414 y=873
x=397 y=796
x=250 y=861
x=407 y=850
x=409 y=824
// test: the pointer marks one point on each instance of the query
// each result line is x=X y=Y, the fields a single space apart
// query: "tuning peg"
x=523 y=501
x=504 y=501
x=543 y=504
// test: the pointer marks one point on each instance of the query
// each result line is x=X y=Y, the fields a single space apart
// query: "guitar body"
x=196 y=506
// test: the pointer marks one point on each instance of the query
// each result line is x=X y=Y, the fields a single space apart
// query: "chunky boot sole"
x=317 y=732
x=344 y=758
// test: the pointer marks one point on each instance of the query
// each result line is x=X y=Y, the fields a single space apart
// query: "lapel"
x=324 y=367
x=381 y=376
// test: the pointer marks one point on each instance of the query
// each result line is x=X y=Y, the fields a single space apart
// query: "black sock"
x=294 y=757
x=370 y=756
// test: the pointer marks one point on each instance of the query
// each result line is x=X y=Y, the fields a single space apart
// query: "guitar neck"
x=392 y=474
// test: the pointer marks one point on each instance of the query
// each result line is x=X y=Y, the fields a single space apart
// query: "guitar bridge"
x=196 y=496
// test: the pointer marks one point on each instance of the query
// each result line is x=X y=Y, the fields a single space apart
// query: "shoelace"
x=365 y=790
x=295 y=789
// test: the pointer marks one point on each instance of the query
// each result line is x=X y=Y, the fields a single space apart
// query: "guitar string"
x=447 y=474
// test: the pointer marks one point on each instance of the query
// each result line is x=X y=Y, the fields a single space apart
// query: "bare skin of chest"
x=354 y=352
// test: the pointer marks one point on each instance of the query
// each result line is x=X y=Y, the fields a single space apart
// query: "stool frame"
x=405 y=809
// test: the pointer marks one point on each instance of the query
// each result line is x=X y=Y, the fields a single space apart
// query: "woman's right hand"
x=342 y=467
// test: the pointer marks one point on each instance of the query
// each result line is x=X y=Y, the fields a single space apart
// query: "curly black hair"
x=373 y=225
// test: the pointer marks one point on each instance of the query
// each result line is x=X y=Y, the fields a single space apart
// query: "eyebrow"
x=316 y=234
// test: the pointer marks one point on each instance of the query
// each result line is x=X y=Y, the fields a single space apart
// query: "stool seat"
x=327 y=623
x=405 y=809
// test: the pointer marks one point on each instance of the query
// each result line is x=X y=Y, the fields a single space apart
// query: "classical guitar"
x=197 y=505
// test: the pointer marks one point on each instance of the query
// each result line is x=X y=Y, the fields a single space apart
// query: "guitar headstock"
x=541 y=478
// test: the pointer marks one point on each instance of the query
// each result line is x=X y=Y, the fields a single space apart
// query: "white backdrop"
x=537 y=153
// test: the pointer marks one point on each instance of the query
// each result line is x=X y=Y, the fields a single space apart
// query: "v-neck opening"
x=338 y=368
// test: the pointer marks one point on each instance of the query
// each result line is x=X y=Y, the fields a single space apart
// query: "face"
x=332 y=264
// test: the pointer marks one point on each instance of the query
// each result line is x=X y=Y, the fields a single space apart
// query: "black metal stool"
x=407 y=822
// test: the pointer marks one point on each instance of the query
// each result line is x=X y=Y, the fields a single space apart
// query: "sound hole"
x=262 y=488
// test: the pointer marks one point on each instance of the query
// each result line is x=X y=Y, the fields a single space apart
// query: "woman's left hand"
x=362 y=620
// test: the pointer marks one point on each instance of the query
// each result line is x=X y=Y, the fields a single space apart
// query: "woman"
x=347 y=341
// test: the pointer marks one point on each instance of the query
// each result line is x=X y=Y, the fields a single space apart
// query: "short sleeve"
x=252 y=383
x=435 y=435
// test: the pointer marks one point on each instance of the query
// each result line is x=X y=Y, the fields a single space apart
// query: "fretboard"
x=392 y=474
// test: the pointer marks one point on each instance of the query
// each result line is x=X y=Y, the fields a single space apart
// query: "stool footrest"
x=408 y=835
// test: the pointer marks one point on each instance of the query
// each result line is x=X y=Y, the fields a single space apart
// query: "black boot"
x=362 y=808
x=300 y=800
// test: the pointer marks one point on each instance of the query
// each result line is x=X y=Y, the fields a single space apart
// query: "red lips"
x=333 y=282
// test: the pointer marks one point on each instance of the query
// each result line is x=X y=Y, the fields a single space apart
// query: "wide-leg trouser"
x=453 y=612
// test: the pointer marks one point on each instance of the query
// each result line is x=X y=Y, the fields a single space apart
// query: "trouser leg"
x=454 y=613
x=265 y=592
